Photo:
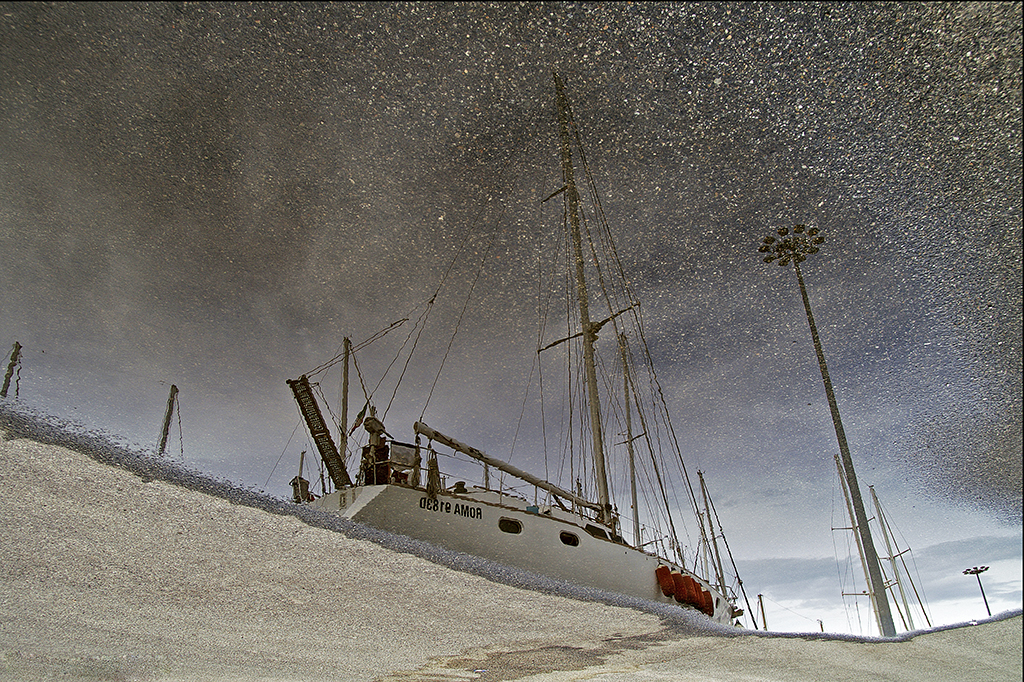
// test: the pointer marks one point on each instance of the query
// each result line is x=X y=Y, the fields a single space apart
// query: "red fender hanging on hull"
x=664 y=574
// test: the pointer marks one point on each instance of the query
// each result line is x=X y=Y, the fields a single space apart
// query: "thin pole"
x=343 y=427
x=764 y=618
x=983 y=597
x=885 y=624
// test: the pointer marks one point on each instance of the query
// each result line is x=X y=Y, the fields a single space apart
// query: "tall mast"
x=629 y=444
x=860 y=546
x=715 y=555
x=764 y=617
x=589 y=329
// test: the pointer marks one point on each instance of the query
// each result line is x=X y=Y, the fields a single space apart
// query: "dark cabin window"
x=568 y=538
x=510 y=526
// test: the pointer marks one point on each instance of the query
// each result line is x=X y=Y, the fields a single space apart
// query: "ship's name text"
x=458 y=509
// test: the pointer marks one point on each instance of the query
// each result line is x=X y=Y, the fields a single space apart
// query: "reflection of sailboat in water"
x=564 y=532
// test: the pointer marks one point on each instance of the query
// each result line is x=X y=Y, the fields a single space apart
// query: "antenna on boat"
x=604 y=515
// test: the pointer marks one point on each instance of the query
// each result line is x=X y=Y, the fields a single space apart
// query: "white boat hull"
x=544 y=544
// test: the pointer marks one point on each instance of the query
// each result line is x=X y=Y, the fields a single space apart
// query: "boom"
x=421 y=428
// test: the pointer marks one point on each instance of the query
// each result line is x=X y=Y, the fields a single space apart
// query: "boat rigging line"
x=284 y=450
x=728 y=550
x=421 y=323
x=340 y=355
x=458 y=322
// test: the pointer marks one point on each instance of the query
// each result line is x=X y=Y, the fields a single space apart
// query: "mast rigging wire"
x=608 y=247
x=341 y=354
x=444 y=278
x=462 y=313
x=279 y=457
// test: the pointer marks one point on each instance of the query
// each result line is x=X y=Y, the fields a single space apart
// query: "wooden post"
x=167 y=421
x=15 y=358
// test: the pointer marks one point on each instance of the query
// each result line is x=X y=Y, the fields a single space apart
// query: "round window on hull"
x=507 y=525
x=568 y=538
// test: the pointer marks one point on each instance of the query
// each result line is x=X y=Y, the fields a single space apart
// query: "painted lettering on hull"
x=453 y=508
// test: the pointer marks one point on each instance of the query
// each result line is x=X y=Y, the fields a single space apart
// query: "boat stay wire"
x=421 y=322
x=340 y=354
x=462 y=313
x=284 y=450
x=418 y=328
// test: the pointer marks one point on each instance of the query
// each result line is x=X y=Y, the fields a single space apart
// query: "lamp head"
x=795 y=247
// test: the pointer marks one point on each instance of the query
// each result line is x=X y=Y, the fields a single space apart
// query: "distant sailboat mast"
x=860 y=546
x=895 y=553
x=165 y=429
x=590 y=329
x=14 y=363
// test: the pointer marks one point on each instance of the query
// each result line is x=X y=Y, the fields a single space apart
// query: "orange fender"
x=707 y=604
x=664 y=575
x=692 y=594
x=679 y=580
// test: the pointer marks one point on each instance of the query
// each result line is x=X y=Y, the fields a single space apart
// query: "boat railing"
x=653 y=542
x=407 y=465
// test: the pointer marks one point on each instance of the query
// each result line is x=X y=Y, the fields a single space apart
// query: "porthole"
x=568 y=538
x=510 y=526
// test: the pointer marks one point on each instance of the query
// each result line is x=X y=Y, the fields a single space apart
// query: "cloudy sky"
x=215 y=195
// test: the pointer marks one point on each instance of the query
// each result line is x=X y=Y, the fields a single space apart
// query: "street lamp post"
x=793 y=248
x=976 y=572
